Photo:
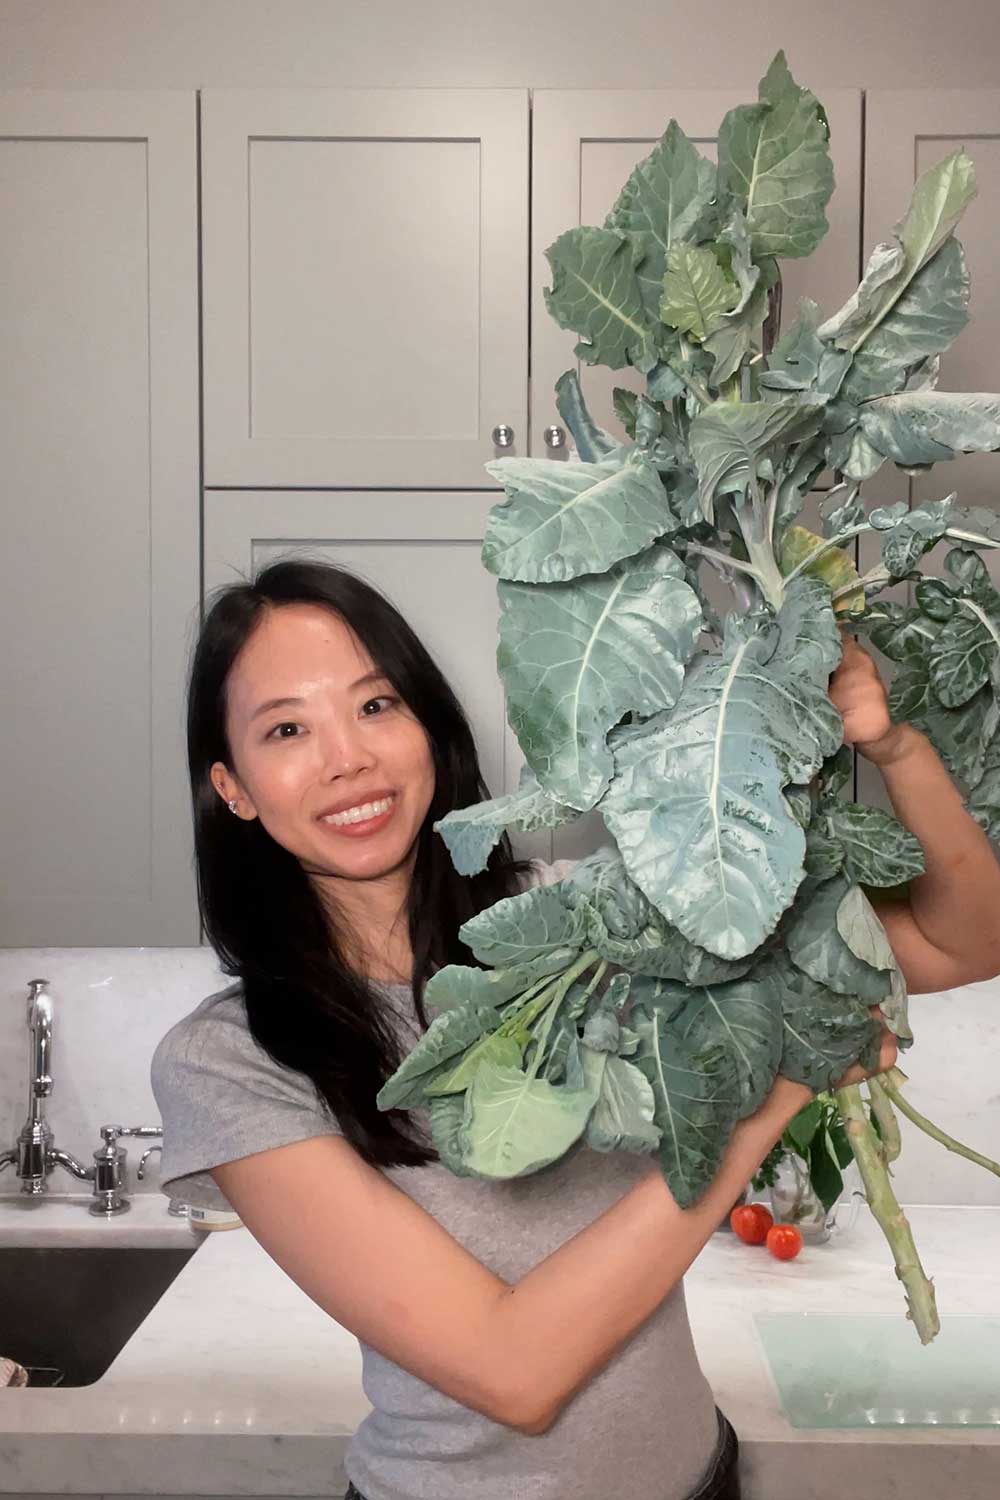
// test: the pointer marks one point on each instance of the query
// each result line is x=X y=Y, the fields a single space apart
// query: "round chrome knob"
x=555 y=437
x=503 y=436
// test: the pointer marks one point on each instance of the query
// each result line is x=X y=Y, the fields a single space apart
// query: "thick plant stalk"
x=921 y=1307
x=891 y=1142
x=890 y=1083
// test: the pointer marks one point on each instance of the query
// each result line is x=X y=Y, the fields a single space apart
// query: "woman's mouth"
x=367 y=817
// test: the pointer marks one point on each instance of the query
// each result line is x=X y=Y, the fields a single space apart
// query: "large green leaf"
x=472 y=832
x=575 y=657
x=966 y=654
x=448 y=1035
x=564 y=519
x=661 y=205
x=457 y=986
x=931 y=312
x=515 y=1124
x=940 y=197
x=696 y=1092
x=824 y=1033
x=744 y=1018
x=774 y=159
x=877 y=850
x=595 y=292
x=959 y=735
x=696 y=805
x=623 y=1119
x=696 y=291
x=447 y=1119
x=926 y=427
x=729 y=437
x=816 y=946
x=625 y=928
x=520 y=929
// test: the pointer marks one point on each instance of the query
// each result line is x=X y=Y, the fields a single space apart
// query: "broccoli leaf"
x=575 y=657
x=563 y=519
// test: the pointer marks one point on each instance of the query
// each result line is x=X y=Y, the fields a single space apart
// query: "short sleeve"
x=221 y=1096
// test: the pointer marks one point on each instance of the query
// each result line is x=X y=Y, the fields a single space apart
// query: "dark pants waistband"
x=721 y=1481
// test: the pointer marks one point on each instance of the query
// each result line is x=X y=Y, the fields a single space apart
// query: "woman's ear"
x=231 y=792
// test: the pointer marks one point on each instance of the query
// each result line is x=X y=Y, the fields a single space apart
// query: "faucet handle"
x=110 y=1133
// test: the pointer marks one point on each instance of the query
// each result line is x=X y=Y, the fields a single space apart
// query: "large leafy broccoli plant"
x=646 y=1002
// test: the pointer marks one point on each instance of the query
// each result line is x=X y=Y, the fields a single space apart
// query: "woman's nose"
x=345 y=750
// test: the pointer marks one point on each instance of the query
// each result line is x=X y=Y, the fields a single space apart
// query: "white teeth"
x=360 y=814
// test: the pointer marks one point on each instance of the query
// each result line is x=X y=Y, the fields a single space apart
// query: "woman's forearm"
x=956 y=902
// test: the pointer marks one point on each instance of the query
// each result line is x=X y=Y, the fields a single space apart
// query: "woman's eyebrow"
x=286 y=702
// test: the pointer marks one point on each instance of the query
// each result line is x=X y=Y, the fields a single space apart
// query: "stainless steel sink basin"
x=67 y=1312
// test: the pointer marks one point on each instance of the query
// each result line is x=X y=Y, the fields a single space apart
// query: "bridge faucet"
x=34 y=1156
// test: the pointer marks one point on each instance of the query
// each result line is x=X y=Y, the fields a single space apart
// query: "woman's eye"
x=385 y=698
x=289 y=724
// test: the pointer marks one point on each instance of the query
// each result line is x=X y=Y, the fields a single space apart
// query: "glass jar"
x=793 y=1201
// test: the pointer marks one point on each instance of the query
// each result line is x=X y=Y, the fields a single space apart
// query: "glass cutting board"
x=872 y=1370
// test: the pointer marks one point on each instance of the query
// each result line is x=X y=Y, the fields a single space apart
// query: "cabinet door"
x=423 y=552
x=907 y=131
x=365 y=284
x=585 y=144
x=99 y=567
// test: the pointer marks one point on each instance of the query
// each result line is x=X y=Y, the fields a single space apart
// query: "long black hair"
x=304 y=1004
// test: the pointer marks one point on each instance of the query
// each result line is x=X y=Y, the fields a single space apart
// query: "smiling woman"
x=518 y=1337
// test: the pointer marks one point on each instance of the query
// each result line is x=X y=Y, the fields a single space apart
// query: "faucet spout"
x=40 y=1024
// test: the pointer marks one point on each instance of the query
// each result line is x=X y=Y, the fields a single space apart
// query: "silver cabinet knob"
x=503 y=436
x=555 y=437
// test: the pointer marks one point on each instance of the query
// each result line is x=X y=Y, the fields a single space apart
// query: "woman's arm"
x=947 y=932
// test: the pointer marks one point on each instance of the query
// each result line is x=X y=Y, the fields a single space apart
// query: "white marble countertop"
x=238 y=1384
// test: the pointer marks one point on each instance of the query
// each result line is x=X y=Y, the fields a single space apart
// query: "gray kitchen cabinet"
x=365 y=285
x=99 y=568
x=423 y=552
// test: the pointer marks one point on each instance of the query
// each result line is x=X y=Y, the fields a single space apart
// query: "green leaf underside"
x=575 y=658
x=471 y=833
x=564 y=519
x=696 y=804
x=697 y=1102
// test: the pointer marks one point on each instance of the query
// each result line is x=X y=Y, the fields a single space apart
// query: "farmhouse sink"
x=66 y=1312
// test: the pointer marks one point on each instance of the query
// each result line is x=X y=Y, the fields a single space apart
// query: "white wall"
x=112 y=1005
x=504 y=43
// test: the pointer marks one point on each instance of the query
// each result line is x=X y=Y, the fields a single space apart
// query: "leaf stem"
x=692 y=382
x=905 y=1107
x=919 y=1288
x=891 y=1143
x=721 y=559
x=970 y=536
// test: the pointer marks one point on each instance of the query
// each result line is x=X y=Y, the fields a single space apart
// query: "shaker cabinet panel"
x=585 y=144
x=365 y=284
x=423 y=553
x=99 y=565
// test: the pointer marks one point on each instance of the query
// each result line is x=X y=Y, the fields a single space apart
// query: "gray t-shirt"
x=644 y=1426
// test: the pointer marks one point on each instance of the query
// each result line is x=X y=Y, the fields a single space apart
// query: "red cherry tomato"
x=784 y=1241
x=751 y=1221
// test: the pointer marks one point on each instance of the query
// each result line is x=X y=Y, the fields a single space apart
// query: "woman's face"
x=347 y=740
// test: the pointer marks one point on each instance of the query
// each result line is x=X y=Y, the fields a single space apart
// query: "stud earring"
x=232 y=805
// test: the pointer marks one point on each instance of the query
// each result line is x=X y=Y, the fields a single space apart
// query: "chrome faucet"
x=34 y=1156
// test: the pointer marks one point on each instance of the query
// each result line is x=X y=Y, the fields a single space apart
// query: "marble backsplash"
x=112 y=1005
